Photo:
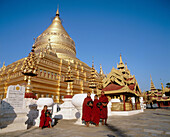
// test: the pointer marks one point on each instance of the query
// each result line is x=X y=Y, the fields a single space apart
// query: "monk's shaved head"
x=102 y=93
x=88 y=94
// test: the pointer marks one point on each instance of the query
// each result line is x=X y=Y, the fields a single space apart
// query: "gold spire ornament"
x=152 y=85
x=121 y=62
x=92 y=81
x=61 y=41
x=29 y=69
x=57 y=12
x=101 y=70
x=68 y=78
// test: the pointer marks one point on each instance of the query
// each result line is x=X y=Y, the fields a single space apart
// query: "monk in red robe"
x=48 y=121
x=87 y=109
x=104 y=100
x=43 y=116
x=96 y=111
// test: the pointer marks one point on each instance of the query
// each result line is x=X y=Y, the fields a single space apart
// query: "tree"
x=168 y=85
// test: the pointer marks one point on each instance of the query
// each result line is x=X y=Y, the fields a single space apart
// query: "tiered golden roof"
x=92 y=81
x=152 y=85
x=29 y=67
x=121 y=81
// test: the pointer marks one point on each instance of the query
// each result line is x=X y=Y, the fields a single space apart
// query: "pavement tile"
x=153 y=131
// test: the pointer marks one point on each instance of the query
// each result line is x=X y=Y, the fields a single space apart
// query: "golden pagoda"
x=121 y=85
x=58 y=72
x=55 y=52
x=160 y=97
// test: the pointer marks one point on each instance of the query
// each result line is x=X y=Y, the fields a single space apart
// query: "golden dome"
x=60 y=42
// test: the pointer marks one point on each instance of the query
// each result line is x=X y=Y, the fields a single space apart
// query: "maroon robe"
x=95 y=112
x=86 y=110
x=103 y=114
x=42 y=118
x=48 y=119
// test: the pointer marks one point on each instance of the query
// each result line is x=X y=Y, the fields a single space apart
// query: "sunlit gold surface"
x=61 y=42
x=55 y=53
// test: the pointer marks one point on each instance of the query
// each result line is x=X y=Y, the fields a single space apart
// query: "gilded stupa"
x=55 y=51
x=57 y=39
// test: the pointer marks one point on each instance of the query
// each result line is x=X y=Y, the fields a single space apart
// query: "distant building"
x=157 y=97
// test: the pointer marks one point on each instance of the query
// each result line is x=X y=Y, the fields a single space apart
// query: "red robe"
x=42 y=118
x=103 y=114
x=95 y=112
x=48 y=119
x=86 y=110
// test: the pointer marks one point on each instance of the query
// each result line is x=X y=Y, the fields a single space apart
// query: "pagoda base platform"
x=125 y=113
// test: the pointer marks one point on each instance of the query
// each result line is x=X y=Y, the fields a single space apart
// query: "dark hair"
x=49 y=113
x=96 y=95
x=45 y=106
x=88 y=92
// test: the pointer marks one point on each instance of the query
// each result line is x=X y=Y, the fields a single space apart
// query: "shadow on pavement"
x=117 y=132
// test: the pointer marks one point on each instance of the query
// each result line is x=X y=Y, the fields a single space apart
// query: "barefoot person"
x=96 y=111
x=43 y=116
x=87 y=109
x=104 y=100
x=48 y=121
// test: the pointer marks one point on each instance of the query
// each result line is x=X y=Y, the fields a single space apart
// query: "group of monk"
x=95 y=110
x=45 y=120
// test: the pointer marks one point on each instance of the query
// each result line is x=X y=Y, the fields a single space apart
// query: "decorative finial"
x=4 y=64
x=33 y=46
x=121 y=59
x=57 y=13
x=92 y=81
x=101 y=70
x=126 y=65
x=152 y=87
x=93 y=61
x=150 y=77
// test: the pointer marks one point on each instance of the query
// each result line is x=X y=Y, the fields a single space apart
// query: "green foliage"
x=168 y=85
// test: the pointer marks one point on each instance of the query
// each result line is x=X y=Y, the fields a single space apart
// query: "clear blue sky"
x=138 y=29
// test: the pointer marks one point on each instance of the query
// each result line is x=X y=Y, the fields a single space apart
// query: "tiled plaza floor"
x=151 y=123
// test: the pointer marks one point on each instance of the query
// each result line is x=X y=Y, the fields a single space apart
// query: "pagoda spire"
x=57 y=12
x=3 y=66
x=101 y=70
x=121 y=62
x=92 y=62
x=92 y=81
x=29 y=69
x=152 y=85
